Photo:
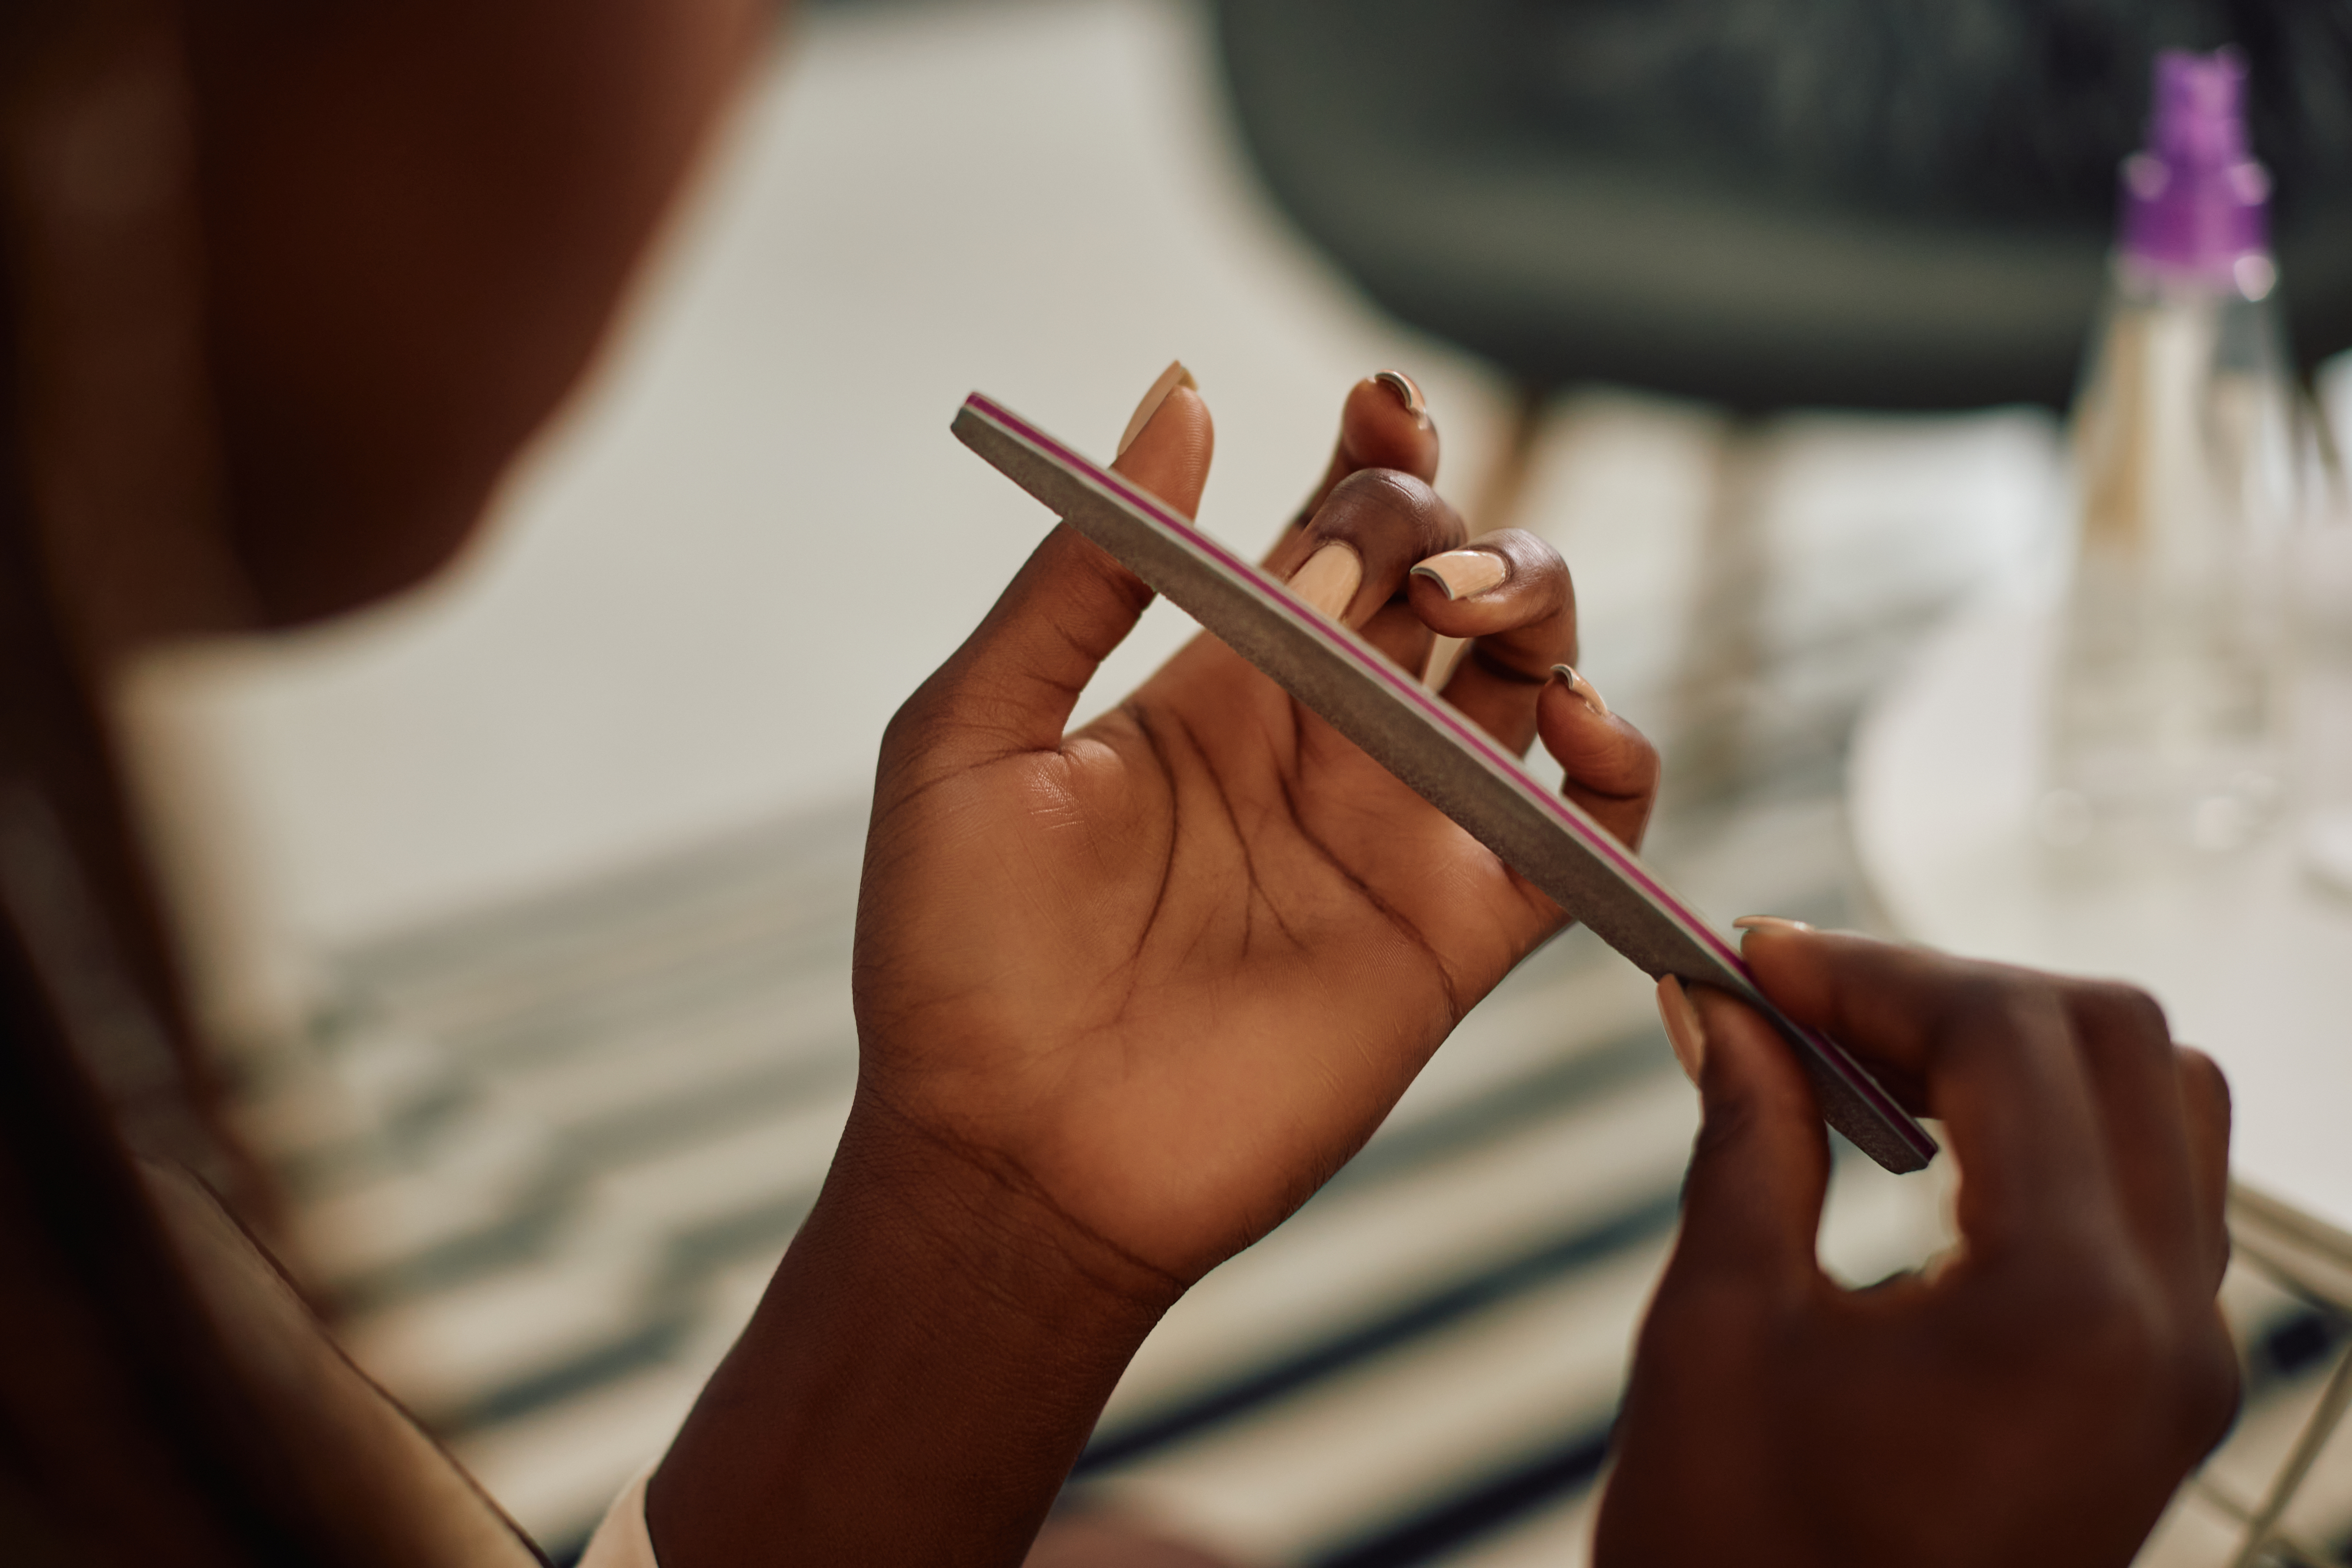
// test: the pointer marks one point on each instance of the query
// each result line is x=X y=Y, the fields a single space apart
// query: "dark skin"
x=382 y=346
x=2032 y=1399
x=419 y=219
x=1128 y=996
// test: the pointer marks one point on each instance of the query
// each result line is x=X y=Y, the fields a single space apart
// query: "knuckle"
x=2110 y=1314
x=936 y=717
x=2204 y=1079
x=2101 y=1316
x=1729 y=1123
x=1642 y=758
x=908 y=726
x=2122 y=1018
x=1527 y=551
x=2114 y=1336
x=2210 y=1382
x=2145 y=1013
x=1986 y=999
x=1372 y=499
x=1621 y=770
x=1542 y=574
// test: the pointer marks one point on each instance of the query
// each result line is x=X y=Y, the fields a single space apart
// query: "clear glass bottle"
x=2169 y=713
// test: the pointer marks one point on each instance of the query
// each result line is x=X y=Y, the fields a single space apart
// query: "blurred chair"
x=1766 y=203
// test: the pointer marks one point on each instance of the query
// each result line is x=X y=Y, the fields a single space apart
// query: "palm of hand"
x=1161 y=976
x=1170 y=974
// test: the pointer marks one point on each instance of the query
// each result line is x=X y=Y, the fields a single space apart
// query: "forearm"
x=925 y=1368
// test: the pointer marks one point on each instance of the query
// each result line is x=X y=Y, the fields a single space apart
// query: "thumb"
x=1015 y=680
x=1752 y=1199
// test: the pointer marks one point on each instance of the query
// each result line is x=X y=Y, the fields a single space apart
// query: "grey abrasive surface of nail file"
x=1422 y=740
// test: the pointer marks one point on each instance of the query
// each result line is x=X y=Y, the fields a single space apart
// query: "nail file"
x=1422 y=740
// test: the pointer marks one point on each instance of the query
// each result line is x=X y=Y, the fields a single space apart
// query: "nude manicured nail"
x=1684 y=1030
x=1174 y=376
x=1463 y=573
x=1407 y=392
x=1581 y=688
x=1770 y=922
x=1329 y=579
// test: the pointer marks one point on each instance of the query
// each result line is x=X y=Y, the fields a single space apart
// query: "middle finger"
x=1353 y=554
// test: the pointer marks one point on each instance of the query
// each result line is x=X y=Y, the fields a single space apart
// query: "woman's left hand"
x=1126 y=996
x=1157 y=978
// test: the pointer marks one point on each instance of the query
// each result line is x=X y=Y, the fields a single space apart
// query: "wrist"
x=947 y=1204
x=926 y=1366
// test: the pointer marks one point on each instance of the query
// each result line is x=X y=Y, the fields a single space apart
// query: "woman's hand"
x=2034 y=1397
x=1125 y=997
x=1155 y=979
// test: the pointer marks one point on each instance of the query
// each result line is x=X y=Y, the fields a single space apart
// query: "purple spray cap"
x=2195 y=200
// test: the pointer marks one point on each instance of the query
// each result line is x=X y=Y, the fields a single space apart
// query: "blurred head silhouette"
x=286 y=285
x=416 y=220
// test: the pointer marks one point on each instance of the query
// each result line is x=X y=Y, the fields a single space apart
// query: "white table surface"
x=2247 y=953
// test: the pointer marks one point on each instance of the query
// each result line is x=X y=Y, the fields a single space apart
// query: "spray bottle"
x=2168 y=721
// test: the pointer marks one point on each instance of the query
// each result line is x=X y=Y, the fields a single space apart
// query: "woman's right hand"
x=2034 y=1397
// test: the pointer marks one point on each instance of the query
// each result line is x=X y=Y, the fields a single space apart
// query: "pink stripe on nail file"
x=1421 y=738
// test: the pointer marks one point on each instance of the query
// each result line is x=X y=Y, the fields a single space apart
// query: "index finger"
x=1994 y=1048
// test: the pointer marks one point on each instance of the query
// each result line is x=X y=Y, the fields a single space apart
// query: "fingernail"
x=1770 y=922
x=1174 y=376
x=1581 y=688
x=1329 y=579
x=1684 y=1031
x=1407 y=392
x=1463 y=573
